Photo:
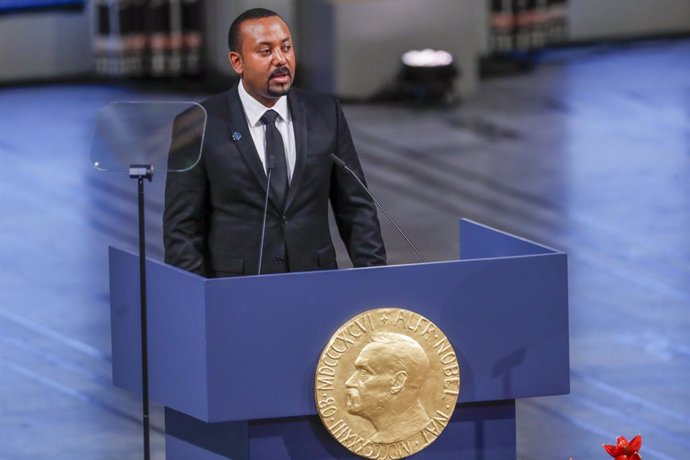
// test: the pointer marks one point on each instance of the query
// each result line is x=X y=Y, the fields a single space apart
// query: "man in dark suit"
x=214 y=212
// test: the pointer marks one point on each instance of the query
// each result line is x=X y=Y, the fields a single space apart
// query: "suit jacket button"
x=285 y=221
x=280 y=259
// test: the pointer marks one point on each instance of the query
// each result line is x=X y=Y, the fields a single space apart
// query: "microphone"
x=269 y=170
x=340 y=163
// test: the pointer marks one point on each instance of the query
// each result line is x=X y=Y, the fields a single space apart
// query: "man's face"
x=369 y=387
x=266 y=61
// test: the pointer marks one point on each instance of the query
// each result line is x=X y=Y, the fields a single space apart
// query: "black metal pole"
x=141 y=172
x=144 y=338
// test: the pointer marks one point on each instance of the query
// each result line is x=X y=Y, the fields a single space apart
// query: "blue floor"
x=589 y=154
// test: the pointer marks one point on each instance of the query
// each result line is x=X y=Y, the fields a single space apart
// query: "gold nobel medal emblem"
x=387 y=383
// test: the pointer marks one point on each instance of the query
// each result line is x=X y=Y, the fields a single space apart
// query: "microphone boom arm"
x=342 y=164
x=263 y=225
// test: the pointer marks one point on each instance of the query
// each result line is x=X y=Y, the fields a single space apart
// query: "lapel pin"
x=236 y=136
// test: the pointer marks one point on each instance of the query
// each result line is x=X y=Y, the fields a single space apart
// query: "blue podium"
x=233 y=359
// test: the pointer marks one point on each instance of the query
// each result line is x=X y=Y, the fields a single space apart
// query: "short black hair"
x=234 y=32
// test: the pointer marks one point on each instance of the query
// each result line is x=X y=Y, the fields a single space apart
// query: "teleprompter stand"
x=133 y=137
x=141 y=173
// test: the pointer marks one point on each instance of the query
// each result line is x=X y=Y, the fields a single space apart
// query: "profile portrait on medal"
x=386 y=384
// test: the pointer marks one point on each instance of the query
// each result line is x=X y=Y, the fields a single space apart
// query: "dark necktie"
x=275 y=154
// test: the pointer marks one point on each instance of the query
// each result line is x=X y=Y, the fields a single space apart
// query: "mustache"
x=279 y=72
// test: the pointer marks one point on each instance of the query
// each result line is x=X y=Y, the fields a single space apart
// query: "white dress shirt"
x=254 y=110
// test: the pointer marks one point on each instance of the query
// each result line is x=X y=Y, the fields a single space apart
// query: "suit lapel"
x=299 y=123
x=242 y=138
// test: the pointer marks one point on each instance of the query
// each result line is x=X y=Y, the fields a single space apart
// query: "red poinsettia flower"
x=624 y=450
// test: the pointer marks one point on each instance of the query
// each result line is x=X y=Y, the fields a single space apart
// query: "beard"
x=280 y=91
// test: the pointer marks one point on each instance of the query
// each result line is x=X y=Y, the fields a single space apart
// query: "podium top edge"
x=549 y=249
x=268 y=276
